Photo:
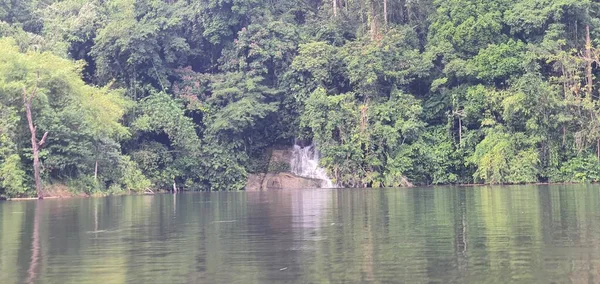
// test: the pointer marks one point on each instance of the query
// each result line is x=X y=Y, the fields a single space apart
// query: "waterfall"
x=305 y=163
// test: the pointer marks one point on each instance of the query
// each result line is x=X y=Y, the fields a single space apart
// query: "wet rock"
x=276 y=181
x=289 y=181
x=255 y=182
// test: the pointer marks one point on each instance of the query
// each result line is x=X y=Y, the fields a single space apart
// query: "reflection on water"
x=35 y=245
x=485 y=234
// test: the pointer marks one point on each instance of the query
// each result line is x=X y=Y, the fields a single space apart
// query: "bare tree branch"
x=43 y=141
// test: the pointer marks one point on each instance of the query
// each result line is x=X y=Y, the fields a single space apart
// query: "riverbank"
x=61 y=191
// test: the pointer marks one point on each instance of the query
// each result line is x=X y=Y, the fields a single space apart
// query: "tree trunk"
x=590 y=79
x=364 y=117
x=334 y=8
x=362 y=10
x=373 y=21
x=402 y=13
x=35 y=144
x=459 y=131
x=174 y=186
x=588 y=58
x=96 y=171
x=385 y=13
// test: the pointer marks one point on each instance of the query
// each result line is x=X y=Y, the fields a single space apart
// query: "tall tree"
x=52 y=98
x=36 y=144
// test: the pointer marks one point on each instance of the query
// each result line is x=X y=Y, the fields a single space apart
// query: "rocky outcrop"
x=279 y=175
x=275 y=181
x=294 y=167
x=254 y=182
x=289 y=181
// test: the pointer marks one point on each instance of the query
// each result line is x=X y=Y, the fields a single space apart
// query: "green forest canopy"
x=137 y=94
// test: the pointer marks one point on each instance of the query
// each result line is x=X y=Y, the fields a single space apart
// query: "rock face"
x=255 y=182
x=289 y=181
x=272 y=181
x=279 y=176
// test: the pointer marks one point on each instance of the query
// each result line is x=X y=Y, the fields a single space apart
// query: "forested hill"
x=118 y=95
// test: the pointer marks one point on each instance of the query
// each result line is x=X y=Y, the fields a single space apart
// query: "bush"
x=86 y=184
x=132 y=177
x=503 y=157
x=279 y=167
x=12 y=176
x=585 y=168
x=114 y=189
x=259 y=163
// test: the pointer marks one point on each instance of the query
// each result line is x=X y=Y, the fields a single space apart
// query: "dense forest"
x=109 y=96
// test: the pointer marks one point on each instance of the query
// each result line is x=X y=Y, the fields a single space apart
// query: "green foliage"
x=505 y=158
x=86 y=184
x=364 y=149
x=467 y=26
x=133 y=179
x=584 y=168
x=22 y=13
x=154 y=159
x=223 y=167
x=499 y=61
x=435 y=159
x=181 y=153
x=279 y=167
x=532 y=16
x=12 y=177
x=197 y=92
x=162 y=114
x=79 y=118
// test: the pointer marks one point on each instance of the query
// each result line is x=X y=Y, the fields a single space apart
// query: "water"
x=522 y=234
x=305 y=163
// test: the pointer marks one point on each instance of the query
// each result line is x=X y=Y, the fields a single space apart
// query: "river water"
x=520 y=234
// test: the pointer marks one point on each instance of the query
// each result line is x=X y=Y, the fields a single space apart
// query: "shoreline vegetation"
x=73 y=194
x=63 y=192
x=118 y=96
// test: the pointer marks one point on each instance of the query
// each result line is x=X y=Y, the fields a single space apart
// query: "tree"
x=393 y=92
x=36 y=144
x=52 y=98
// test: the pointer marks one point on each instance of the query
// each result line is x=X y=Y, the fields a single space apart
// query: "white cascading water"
x=305 y=163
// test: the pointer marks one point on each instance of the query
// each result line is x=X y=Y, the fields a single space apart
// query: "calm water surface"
x=523 y=234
